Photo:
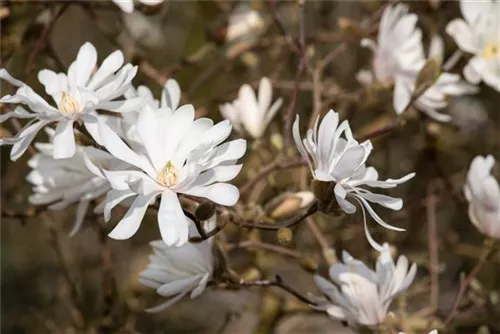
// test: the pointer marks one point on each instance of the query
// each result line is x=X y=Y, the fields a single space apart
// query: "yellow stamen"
x=491 y=50
x=168 y=175
x=68 y=105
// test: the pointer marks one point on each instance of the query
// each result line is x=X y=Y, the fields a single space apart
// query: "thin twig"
x=327 y=251
x=266 y=246
x=275 y=165
x=274 y=227
x=432 y=240
x=487 y=253
x=278 y=282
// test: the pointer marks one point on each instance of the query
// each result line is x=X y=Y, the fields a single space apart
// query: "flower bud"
x=288 y=204
x=285 y=235
x=205 y=210
x=322 y=190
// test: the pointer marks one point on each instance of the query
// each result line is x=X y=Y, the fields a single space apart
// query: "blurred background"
x=88 y=283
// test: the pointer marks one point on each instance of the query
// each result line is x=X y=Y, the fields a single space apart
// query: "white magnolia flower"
x=244 y=22
x=77 y=96
x=360 y=295
x=436 y=96
x=176 y=271
x=332 y=158
x=479 y=35
x=127 y=126
x=128 y=5
x=62 y=182
x=398 y=46
x=181 y=155
x=483 y=193
x=250 y=112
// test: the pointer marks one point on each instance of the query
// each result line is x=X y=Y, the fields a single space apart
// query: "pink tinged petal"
x=80 y=216
x=113 y=198
x=123 y=106
x=220 y=193
x=120 y=150
x=64 y=140
x=110 y=65
x=132 y=220
x=84 y=64
x=24 y=139
x=299 y=144
x=171 y=95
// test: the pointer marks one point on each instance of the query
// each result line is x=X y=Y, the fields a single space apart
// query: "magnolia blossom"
x=332 y=158
x=61 y=182
x=128 y=5
x=77 y=96
x=244 y=22
x=483 y=193
x=179 y=155
x=126 y=127
x=398 y=46
x=479 y=35
x=436 y=96
x=176 y=271
x=360 y=295
x=251 y=112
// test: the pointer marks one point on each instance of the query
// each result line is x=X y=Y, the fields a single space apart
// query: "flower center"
x=491 y=50
x=68 y=105
x=168 y=175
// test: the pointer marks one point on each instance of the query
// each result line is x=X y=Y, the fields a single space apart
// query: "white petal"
x=173 y=224
x=110 y=65
x=402 y=95
x=132 y=220
x=24 y=139
x=220 y=193
x=85 y=63
x=125 y=5
x=80 y=215
x=113 y=198
x=462 y=35
x=171 y=94
x=64 y=140
x=168 y=303
x=123 y=106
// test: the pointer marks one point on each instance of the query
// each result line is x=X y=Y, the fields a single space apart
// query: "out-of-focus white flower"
x=77 y=96
x=360 y=295
x=483 y=193
x=62 y=182
x=244 y=22
x=180 y=155
x=479 y=35
x=176 y=271
x=434 y=331
x=436 y=96
x=128 y=5
x=250 y=112
x=332 y=158
x=398 y=46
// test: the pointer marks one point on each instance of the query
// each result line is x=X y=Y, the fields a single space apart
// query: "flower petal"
x=64 y=140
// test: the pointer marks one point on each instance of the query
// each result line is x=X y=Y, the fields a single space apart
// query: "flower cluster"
x=398 y=59
x=111 y=143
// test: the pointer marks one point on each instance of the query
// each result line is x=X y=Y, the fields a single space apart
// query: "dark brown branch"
x=273 y=227
x=278 y=282
x=487 y=253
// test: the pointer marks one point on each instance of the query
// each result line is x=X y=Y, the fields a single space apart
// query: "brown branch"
x=432 y=240
x=266 y=246
x=486 y=255
x=275 y=165
x=278 y=282
x=274 y=227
